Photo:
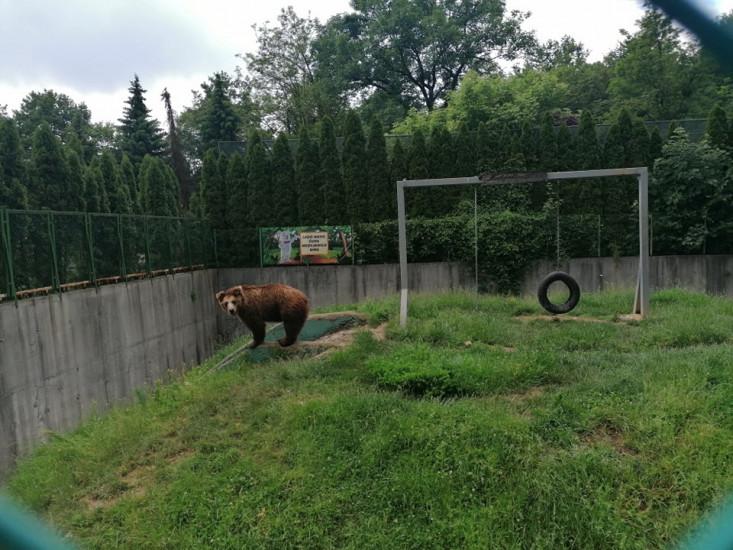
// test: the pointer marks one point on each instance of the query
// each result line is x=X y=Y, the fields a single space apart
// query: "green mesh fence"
x=44 y=250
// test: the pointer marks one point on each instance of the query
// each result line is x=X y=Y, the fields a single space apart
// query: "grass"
x=476 y=427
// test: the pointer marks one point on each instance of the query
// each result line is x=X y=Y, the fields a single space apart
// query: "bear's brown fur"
x=257 y=304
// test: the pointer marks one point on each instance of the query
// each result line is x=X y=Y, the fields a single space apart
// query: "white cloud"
x=89 y=49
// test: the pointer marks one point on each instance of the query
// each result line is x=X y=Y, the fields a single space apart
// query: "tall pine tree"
x=465 y=152
x=382 y=193
x=140 y=134
x=128 y=177
x=331 y=182
x=310 y=194
x=49 y=171
x=655 y=147
x=75 y=196
x=588 y=151
x=283 y=182
x=13 y=190
x=261 y=199
x=92 y=188
x=419 y=168
x=220 y=122
x=212 y=190
x=399 y=168
x=356 y=176
x=717 y=131
x=155 y=187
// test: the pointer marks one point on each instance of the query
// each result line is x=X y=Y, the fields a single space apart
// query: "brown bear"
x=257 y=304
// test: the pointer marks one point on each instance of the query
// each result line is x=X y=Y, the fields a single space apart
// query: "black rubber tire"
x=572 y=300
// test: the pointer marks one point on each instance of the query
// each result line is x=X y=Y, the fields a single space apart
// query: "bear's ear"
x=237 y=291
x=220 y=296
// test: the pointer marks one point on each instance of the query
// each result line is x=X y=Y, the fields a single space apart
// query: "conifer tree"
x=655 y=147
x=587 y=143
x=92 y=188
x=465 y=152
x=638 y=148
x=334 y=193
x=220 y=122
x=261 y=199
x=548 y=144
x=566 y=159
x=356 y=175
x=155 y=185
x=49 y=170
x=14 y=193
x=399 y=163
x=420 y=205
x=128 y=177
x=140 y=134
x=485 y=153
x=75 y=195
x=310 y=193
x=283 y=182
x=717 y=130
x=211 y=189
x=529 y=144
x=111 y=183
x=382 y=193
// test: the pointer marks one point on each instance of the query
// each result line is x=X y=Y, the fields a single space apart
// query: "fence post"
x=90 y=246
x=8 y=249
x=599 y=235
x=123 y=264
x=55 y=277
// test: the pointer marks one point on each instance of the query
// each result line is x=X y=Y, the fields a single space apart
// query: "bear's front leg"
x=258 y=332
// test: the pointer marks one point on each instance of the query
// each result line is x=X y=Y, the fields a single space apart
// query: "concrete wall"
x=63 y=357
x=333 y=285
x=711 y=274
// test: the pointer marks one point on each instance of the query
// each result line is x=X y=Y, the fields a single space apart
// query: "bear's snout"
x=232 y=309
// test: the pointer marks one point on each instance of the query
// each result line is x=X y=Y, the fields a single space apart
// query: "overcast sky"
x=89 y=49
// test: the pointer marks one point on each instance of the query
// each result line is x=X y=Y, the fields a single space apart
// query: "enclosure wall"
x=711 y=274
x=63 y=357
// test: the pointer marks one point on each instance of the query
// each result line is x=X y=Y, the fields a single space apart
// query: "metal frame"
x=641 y=299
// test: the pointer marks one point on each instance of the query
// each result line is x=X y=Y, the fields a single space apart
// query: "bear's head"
x=230 y=299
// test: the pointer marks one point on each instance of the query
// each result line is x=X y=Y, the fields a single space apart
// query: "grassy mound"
x=479 y=425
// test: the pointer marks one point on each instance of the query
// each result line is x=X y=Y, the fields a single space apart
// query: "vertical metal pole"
x=642 y=305
x=55 y=277
x=123 y=264
x=90 y=247
x=475 y=234
x=599 y=235
x=8 y=247
x=402 y=226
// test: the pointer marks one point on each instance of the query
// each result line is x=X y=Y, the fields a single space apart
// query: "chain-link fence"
x=48 y=251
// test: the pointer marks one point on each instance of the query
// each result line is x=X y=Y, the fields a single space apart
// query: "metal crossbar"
x=641 y=299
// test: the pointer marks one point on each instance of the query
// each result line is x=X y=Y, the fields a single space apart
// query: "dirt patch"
x=530 y=393
x=611 y=436
x=344 y=338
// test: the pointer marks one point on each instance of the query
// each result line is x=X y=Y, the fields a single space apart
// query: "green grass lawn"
x=472 y=428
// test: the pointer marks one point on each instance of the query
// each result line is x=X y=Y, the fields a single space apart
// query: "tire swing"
x=570 y=283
